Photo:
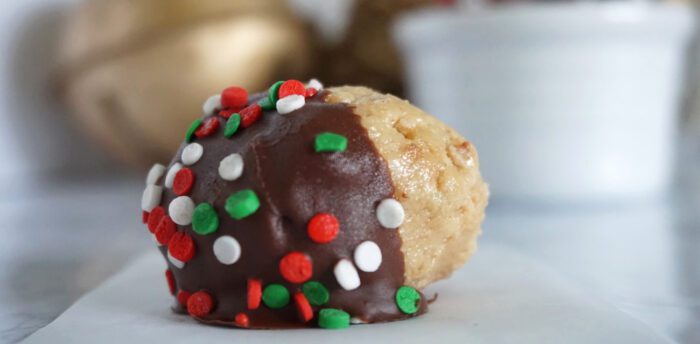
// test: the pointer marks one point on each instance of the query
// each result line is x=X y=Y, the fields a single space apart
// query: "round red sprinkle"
x=296 y=267
x=323 y=228
x=303 y=307
x=184 y=180
x=291 y=87
x=310 y=92
x=254 y=293
x=242 y=320
x=154 y=218
x=181 y=247
x=182 y=297
x=200 y=304
x=208 y=127
x=144 y=217
x=250 y=115
x=165 y=230
x=226 y=113
x=171 y=281
x=234 y=97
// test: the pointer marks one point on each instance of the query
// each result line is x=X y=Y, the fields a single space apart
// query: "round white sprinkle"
x=368 y=256
x=315 y=84
x=231 y=167
x=290 y=103
x=212 y=104
x=174 y=261
x=192 y=153
x=151 y=197
x=181 y=209
x=346 y=275
x=390 y=213
x=170 y=177
x=154 y=174
x=227 y=250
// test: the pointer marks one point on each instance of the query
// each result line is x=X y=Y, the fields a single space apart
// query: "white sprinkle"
x=192 y=153
x=154 y=174
x=315 y=84
x=174 y=261
x=368 y=256
x=212 y=104
x=357 y=321
x=470 y=162
x=346 y=275
x=170 y=177
x=231 y=167
x=151 y=197
x=390 y=213
x=290 y=103
x=227 y=250
x=181 y=209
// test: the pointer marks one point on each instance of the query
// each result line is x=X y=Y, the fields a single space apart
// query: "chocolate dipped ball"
x=312 y=207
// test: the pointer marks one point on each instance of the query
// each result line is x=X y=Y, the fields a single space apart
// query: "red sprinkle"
x=323 y=228
x=181 y=247
x=254 y=293
x=154 y=218
x=310 y=92
x=250 y=115
x=171 y=281
x=182 y=297
x=226 y=113
x=184 y=180
x=296 y=267
x=144 y=217
x=234 y=97
x=165 y=230
x=207 y=128
x=303 y=307
x=200 y=304
x=291 y=87
x=242 y=320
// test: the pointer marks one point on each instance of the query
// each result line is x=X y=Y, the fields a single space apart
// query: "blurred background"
x=586 y=115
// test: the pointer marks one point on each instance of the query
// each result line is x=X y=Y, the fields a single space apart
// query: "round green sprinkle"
x=330 y=142
x=204 y=219
x=273 y=92
x=316 y=293
x=232 y=125
x=266 y=104
x=241 y=204
x=193 y=127
x=407 y=298
x=332 y=318
x=275 y=296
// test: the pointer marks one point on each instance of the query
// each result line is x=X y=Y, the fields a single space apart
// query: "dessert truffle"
x=306 y=207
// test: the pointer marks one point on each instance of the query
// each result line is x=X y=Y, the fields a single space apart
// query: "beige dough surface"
x=436 y=176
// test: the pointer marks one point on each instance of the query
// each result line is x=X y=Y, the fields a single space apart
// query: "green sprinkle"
x=241 y=204
x=273 y=93
x=332 y=318
x=192 y=129
x=275 y=296
x=232 y=125
x=330 y=142
x=266 y=104
x=316 y=293
x=407 y=298
x=204 y=219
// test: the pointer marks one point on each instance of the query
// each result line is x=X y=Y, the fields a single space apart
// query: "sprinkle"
x=242 y=320
x=407 y=299
x=144 y=216
x=275 y=296
x=200 y=304
x=227 y=250
x=193 y=127
x=310 y=92
x=165 y=230
x=232 y=125
x=181 y=209
x=331 y=318
x=234 y=97
x=330 y=142
x=368 y=256
x=181 y=247
x=175 y=262
x=192 y=153
x=314 y=83
x=170 y=177
x=242 y=204
x=250 y=115
x=390 y=213
x=171 y=281
x=182 y=297
x=227 y=112
x=323 y=228
x=346 y=275
x=212 y=104
x=303 y=307
x=231 y=167
x=254 y=293
x=204 y=219
x=266 y=104
x=296 y=267
x=184 y=180
x=273 y=92
x=154 y=174
x=208 y=127
x=154 y=218
x=291 y=87
x=290 y=103
x=151 y=197
x=316 y=293
x=357 y=321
